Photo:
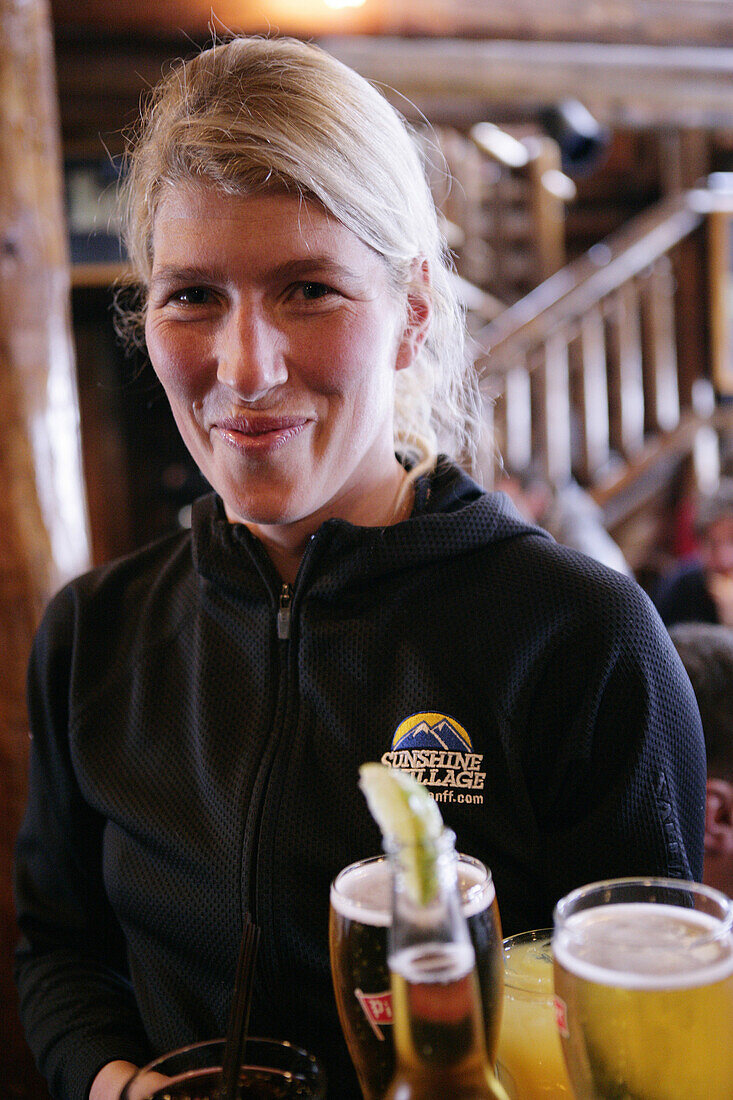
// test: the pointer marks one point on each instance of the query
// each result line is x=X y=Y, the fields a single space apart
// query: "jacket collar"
x=451 y=516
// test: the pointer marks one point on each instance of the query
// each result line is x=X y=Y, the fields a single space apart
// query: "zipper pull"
x=283 y=612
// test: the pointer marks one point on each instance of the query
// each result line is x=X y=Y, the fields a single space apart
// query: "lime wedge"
x=406 y=813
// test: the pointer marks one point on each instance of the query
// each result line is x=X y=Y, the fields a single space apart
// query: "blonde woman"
x=200 y=708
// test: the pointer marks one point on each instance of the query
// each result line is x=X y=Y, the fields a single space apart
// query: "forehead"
x=202 y=218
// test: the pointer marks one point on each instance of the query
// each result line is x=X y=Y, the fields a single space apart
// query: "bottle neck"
x=435 y=995
x=426 y=897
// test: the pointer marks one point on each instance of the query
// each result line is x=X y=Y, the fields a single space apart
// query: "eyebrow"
x=323 y=266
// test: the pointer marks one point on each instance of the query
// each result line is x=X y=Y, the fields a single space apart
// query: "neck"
x=386 y=503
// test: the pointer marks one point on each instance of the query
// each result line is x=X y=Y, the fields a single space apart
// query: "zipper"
x=281 y=722
x=283 y=611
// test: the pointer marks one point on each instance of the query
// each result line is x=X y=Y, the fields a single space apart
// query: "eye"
x=311 y=291
x=192 y=296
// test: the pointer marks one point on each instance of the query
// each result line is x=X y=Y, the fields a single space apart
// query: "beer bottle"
x=436 y=1006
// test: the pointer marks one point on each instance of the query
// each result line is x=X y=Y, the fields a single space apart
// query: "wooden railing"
x=614 y=362
x=505 y=208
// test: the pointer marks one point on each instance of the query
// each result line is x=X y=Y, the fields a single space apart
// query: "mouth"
x=259 y=433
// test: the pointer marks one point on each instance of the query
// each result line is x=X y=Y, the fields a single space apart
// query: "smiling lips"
x=259 y=433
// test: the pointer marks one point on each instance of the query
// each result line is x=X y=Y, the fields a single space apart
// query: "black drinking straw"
x=239 y=1012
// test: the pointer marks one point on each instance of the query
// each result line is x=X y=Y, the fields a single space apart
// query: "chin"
x=260 y=512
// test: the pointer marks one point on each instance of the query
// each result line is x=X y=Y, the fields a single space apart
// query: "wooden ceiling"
x=172 y=18
x=454 y=59
x=650 y=22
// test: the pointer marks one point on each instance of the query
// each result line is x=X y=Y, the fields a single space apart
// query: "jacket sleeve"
x=620 y=786
x=76 y=1002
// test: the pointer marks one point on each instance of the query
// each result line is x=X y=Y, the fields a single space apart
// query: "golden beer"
x=438 y=1027
x=360 y=916
x=529 y=1059
x=648 y=992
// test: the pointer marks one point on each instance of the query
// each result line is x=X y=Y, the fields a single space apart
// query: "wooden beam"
x=679 y=22
x=42 y=515
x=553 y=383
x=622 y=85
x=619 y=494
x=720 y=280
x=675 y=22
x=626 y=377
x=588 y=354
x=661 y=391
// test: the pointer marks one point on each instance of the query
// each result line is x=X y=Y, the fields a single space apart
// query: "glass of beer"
x=271 y=1070
x=361 y=913
x=529 y=1060
x=644 y=979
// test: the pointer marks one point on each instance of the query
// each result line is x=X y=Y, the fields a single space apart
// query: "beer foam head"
x=640 y=945
x=434 y=963
x=477 y=886
x=363 y=891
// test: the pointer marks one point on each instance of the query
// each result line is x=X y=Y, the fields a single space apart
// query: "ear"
x=719 y=818
x=419 y=312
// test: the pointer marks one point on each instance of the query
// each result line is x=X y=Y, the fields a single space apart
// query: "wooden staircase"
x=504 y=210
x=616 y=368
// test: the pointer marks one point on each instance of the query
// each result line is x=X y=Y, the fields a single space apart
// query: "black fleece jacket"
x=188 y=764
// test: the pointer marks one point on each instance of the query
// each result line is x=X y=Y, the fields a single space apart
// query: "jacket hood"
x=451 y=516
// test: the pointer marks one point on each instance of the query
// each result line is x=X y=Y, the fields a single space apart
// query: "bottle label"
x=377 y=1007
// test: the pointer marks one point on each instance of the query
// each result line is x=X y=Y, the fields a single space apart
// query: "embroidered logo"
x=437 y=751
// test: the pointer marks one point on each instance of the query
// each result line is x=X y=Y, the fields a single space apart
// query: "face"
x=717 y=546
x=718 y=866
x=276 y=334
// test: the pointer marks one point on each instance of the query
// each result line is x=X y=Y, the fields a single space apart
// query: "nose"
x=251 y=359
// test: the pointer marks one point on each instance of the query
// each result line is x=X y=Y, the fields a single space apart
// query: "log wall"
x=43 y=531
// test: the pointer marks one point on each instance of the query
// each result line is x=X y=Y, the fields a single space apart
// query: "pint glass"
x=361 y=912
x=644 y=973
x=529 y=1059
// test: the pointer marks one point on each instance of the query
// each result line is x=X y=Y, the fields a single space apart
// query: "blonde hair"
x=254 y=114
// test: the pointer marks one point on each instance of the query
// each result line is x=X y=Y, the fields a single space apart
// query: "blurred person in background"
x=701 y=590
x=568 y=512
x=706 y=651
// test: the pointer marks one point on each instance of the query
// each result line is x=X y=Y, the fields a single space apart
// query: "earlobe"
x=419 y=313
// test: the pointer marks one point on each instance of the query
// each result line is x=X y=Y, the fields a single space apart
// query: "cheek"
x=177 y=362
x=357 y=361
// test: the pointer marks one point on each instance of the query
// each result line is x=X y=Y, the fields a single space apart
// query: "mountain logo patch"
x=436 y=750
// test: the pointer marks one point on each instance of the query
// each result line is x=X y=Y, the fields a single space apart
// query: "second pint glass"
x=361 y=912
x=644 y=974
x=530 y=1063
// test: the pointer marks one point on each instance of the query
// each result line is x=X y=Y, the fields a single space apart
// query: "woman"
x=200 y=709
